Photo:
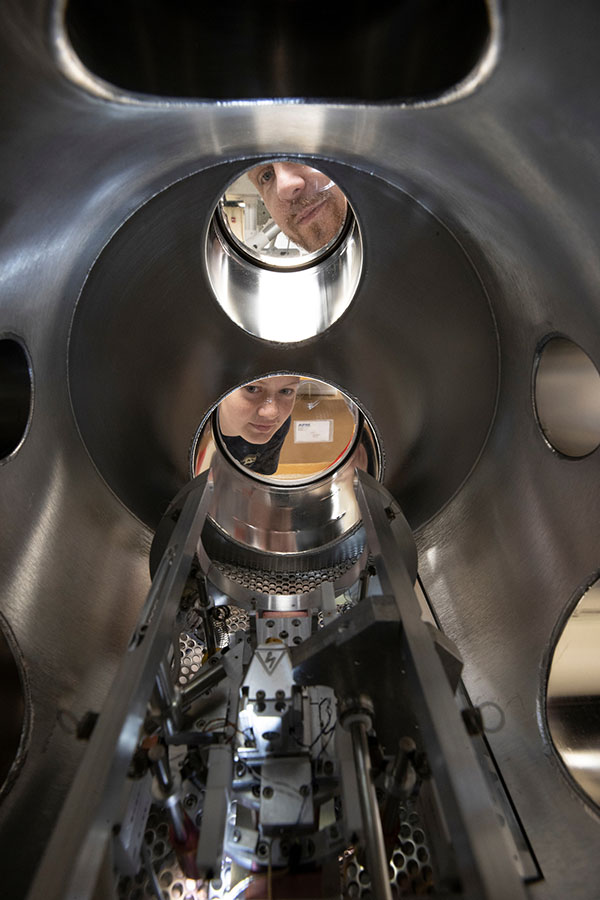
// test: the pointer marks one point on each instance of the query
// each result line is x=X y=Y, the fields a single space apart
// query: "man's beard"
x=316 y=234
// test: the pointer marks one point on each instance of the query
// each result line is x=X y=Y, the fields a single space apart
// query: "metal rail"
x=70 y=865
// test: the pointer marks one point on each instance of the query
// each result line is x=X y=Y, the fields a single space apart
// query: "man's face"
x=308 y=207
x=255 y=412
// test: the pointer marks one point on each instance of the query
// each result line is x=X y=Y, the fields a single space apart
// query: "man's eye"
x=265 y=176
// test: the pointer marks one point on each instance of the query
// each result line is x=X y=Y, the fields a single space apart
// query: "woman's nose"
x=290 y=181
x=268 y=409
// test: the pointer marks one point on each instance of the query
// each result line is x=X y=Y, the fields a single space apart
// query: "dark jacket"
x=260 y=458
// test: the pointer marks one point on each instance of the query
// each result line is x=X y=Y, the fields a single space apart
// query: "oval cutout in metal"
x=15 y=395
x=567 y=397
x=573 y=694
x=14 y=709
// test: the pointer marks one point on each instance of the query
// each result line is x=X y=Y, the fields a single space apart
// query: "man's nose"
x=290 y=181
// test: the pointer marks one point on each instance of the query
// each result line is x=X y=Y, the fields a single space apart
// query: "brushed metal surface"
x=487 y=196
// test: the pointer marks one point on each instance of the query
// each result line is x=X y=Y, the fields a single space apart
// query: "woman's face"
x=256 y=411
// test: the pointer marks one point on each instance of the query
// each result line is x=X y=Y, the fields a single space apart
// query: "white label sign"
x=317 y=431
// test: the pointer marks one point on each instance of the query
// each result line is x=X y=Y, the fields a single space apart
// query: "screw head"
x=268 y=792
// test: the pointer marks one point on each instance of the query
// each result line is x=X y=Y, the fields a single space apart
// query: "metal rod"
x=204 y=681
x=375 y=847
x=154 y=882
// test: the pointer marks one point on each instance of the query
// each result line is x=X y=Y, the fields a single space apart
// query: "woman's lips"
x=263 y=428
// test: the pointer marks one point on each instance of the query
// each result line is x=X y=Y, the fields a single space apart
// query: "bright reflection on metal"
x=285 y=304
x=573 y=701
x=567 y=398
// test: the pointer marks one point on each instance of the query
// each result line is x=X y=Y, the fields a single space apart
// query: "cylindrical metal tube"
x=204 y=681
x=375 y=847
x=177 y=816
x=160 y=766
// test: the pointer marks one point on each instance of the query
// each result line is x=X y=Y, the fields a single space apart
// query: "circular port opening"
x=567 y=397
x=288 y=429
x=14 y=709
x=284 y=214
x=573 y=694
x=284 y=253
x=15 y=395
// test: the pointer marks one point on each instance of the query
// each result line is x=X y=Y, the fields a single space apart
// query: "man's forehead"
x=277 y=381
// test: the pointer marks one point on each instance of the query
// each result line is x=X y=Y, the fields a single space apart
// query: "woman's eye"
x=252 y=388
x=287 y=392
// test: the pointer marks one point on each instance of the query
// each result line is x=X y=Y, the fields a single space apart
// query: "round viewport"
x=287 y=429
x=284 y=252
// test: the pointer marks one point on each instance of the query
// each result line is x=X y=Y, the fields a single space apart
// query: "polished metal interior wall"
x=150 y=351
x=479 y=219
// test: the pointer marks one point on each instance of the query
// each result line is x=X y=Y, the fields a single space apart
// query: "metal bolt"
x=190 y=800
x=280 y=695
x=304 y=790
x=268 y=792
x=256 y=790
x=270 y=623
x=240 y=769
x=262 y=850
x=236 y=836
x=260 y=695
